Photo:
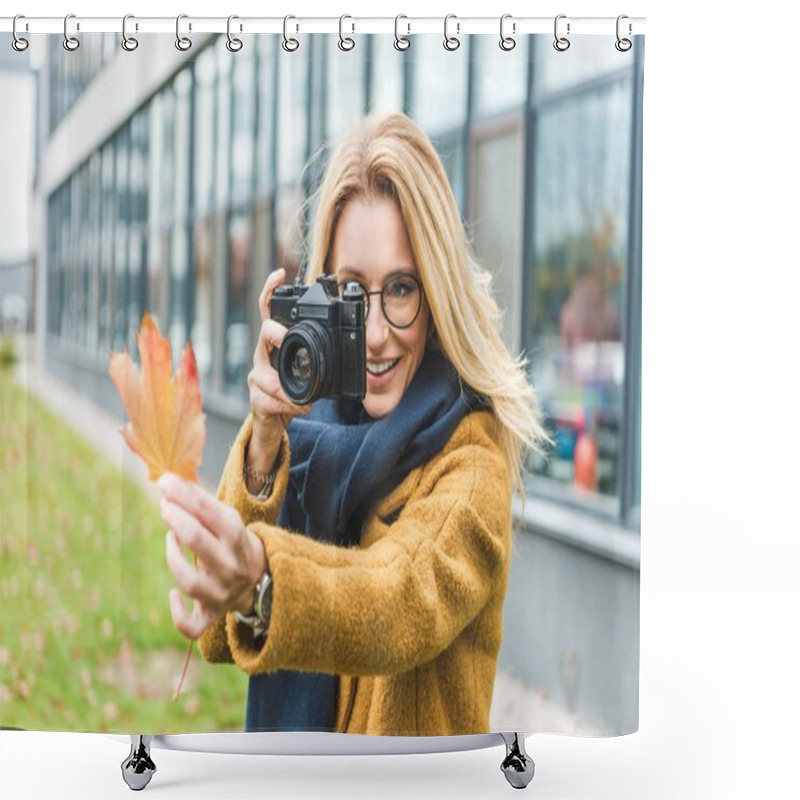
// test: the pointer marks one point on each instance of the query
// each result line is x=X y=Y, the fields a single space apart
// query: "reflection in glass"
x=580 y=257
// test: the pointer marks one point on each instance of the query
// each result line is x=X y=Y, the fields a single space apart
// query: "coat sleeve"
x=213 y=643
x=401 y=601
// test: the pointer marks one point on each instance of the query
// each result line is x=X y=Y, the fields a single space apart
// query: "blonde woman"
x=355 y=561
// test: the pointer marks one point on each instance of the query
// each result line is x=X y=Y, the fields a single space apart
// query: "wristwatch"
x=262 y=607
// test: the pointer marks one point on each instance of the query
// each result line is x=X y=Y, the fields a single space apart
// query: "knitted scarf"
x=342 y=462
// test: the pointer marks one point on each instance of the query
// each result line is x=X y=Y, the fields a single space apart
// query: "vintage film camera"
x=324 y=353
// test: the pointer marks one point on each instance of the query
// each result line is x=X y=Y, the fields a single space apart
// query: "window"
x=580 y=266
x=81 y=285
x=202 y=205
x=262 y=257
x=137 y=237
x=155 y=216
x=387 y=74
x=243 y=130
x=238 y=344
x=177 y=150
x=293 y=146
x=122 y=218
x=589 y=58
x=500 y=78
x=497 y=180
x=439 y=103
x=108 y=217
x=497 y=168
x=344 y=87
x=93 y=252
x=266 y=115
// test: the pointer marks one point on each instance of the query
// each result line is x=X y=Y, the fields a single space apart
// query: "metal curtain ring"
x=561 y=43
x=182 y=42
x=451 y=42
x=400 y=42
x=128 y=42
x=623 y=45
x=233 y=44
x=346 y=43
x=290 y=45
x=70 y=42
x=18 y=43
x=506 y=42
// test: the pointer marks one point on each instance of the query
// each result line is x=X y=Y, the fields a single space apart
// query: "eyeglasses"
x=401 y=299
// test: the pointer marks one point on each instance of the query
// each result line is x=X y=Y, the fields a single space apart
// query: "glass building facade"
x=185 y=209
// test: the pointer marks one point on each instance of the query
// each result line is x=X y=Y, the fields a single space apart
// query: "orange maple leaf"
x=167 y=426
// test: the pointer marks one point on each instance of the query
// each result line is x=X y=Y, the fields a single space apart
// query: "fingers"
x=197 y=516
x=191 y=625
x=268 y=398
x=192 y=581
x=270 y=338
x=274 y=279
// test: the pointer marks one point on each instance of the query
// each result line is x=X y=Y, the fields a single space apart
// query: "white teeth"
x=379 y=369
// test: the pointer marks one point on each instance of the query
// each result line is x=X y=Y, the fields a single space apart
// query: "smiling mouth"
x=381 y=367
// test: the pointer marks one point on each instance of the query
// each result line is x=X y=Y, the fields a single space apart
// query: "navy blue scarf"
x=342 y=462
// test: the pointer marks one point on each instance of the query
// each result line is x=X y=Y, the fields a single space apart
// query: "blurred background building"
x=18 y=92
x=174 y=183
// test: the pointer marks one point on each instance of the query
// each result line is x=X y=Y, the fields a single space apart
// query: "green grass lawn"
x=86 y=637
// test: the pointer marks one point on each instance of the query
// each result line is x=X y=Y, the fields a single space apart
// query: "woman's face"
x=371 y=246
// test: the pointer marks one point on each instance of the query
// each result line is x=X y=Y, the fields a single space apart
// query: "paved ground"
x=512 y=701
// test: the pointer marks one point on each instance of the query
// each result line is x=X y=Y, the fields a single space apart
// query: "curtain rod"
x=349 y=25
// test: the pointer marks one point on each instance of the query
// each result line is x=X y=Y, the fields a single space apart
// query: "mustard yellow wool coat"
x=411 y=620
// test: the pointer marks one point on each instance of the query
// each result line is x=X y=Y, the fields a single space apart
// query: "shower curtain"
x=162 y=185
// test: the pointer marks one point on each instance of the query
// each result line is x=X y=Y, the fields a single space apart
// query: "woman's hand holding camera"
x=232 y=557
x=272 y=409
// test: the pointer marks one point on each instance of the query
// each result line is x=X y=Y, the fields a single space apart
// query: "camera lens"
x=303 y=362
x=301 y=365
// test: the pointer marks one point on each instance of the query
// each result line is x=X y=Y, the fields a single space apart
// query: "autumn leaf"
x=167 y=426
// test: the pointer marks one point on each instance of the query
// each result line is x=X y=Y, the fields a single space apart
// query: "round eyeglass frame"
x=403 y=275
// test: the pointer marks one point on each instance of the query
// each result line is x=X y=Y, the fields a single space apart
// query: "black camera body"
x=324 y=352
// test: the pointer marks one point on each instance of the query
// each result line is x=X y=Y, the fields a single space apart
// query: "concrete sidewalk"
x=512 y=701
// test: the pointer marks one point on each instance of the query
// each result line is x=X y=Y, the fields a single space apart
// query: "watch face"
x=264 y=602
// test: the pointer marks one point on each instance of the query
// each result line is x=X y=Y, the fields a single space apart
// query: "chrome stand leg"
x=518 y=766
x=138 y=768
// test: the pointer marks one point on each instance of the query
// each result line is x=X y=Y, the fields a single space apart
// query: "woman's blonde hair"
x=388 y=155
